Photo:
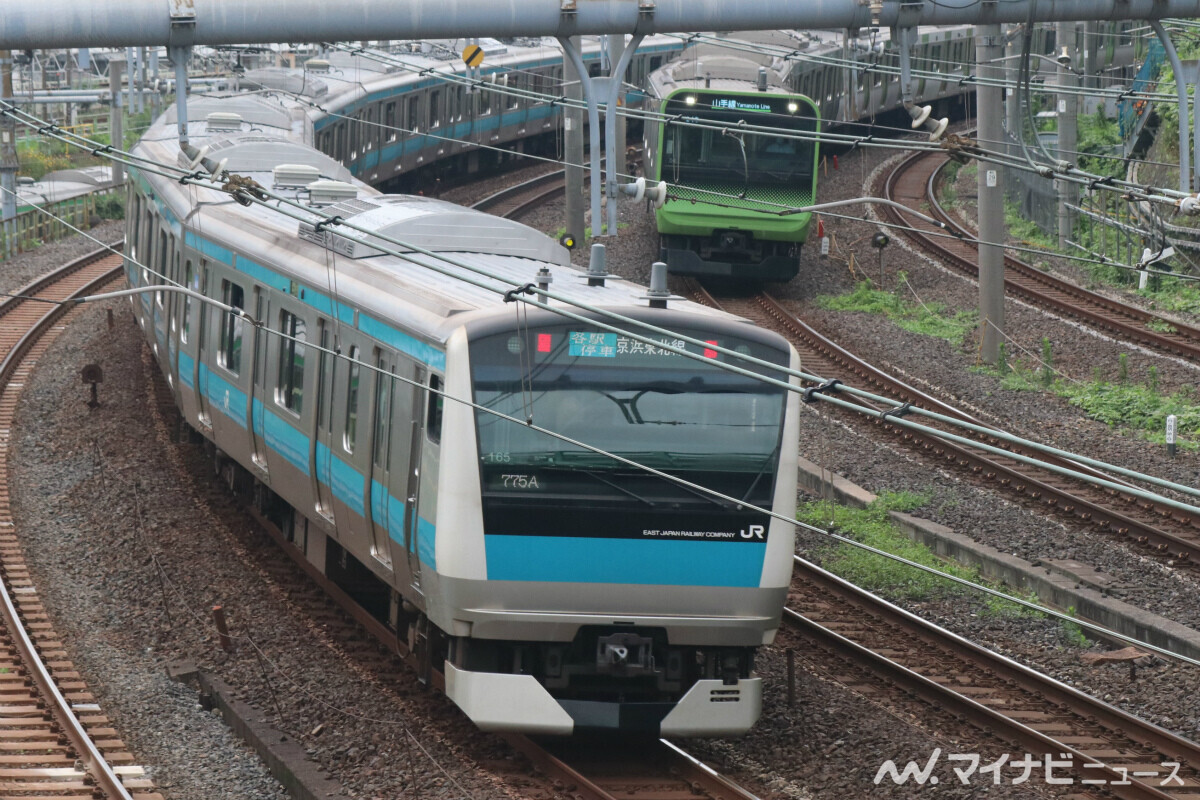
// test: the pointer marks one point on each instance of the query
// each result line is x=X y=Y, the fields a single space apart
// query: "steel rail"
x=93 y=760
x=855 y=608
x=1023 y=279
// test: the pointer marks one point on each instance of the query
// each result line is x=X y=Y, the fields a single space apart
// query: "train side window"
x=175 y=278
x=514 y=81
x=289 y=391
x=164 y=256
x=190 y=281
x=351 y=433
x=136 y=226
x=383 y=412
x=230 y=355
x=433 y=410
x=323 y=415
x=655 y=62
x=435 y=109
x=414 y=114
x=389 y=121
x=485 y=102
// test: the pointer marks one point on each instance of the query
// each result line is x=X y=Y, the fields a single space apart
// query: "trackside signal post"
x=989 y=47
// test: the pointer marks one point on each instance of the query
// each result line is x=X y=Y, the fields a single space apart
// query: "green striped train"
x=730 y=189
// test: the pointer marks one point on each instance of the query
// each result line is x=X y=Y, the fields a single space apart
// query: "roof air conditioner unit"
x=224 y=121
x=294 y=176
x=326 y=193
x=316 y=65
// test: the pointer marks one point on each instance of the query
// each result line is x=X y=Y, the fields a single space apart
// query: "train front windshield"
x=683 y=416
x=696 y=156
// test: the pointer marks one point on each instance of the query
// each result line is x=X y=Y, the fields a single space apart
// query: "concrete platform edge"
x=1053 y=584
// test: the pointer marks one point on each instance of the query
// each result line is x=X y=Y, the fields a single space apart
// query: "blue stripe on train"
x=636 y=561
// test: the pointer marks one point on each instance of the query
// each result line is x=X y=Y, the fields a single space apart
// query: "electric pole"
x=115 y=127
x=989 y=47
x=573 y=147
x=1068 y=109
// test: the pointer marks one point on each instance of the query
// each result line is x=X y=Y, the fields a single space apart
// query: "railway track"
x=54 y=740
x=1156 y=529
x=516 y=200
x=870 y=645
x=915 y=182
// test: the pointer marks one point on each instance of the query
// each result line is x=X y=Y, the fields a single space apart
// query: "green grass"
x=930 y=319
x=1173 y=295
x=895 y=581
x=1139 y=407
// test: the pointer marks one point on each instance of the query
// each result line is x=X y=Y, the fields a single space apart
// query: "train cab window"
x=383 y=412
x=230 y=355
x=655 y=62
x=289 y=391
x=433 y=410
x=414 y=114
x=389 y=121
x=190 y=281
x=435 y=109
x=350 y=436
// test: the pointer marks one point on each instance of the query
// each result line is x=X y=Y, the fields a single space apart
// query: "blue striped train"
x=558 y=590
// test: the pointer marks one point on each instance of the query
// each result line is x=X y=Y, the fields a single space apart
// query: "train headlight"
x=690 y=100
x=793 y=107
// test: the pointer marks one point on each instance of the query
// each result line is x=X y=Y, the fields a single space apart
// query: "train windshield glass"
x=697 y=156
x=637 y=400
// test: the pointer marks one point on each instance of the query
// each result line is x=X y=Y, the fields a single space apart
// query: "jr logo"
x=755 y=532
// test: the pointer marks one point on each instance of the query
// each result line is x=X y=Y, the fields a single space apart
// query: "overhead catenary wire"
x=674 y=479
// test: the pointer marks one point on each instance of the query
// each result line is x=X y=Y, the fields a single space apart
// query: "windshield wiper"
x=616 y=486
x=768 y=460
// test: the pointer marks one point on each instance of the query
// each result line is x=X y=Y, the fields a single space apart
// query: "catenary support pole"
x=116 y=68
x=1185 y=178
x=180 y=57
x=8 y=159
x=1068 y=110
x=593 y=110
x=610 y=131
x=989 y=47
x=616 y=49
x=573 y=149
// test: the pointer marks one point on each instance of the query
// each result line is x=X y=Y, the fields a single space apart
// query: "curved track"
x=54 y=742
x=915 y=181
x=867 y=644
x=1160 y=530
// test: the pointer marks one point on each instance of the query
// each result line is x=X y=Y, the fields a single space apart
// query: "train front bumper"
x=504 y=702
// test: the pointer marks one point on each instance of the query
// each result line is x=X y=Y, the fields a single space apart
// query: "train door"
x=380 y=450
x=174 y=302
x=166 y=244
x=256 y=405
x=412 y=480
x=202 y=326
x=350 y=462
x=322 y=453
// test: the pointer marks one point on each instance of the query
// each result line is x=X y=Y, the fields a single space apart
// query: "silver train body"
x=384 y=121
x=557 y=589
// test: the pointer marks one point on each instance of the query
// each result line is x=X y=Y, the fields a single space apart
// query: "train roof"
x=425 y=292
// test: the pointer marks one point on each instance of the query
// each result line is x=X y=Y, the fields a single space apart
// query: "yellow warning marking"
x=473 y=55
